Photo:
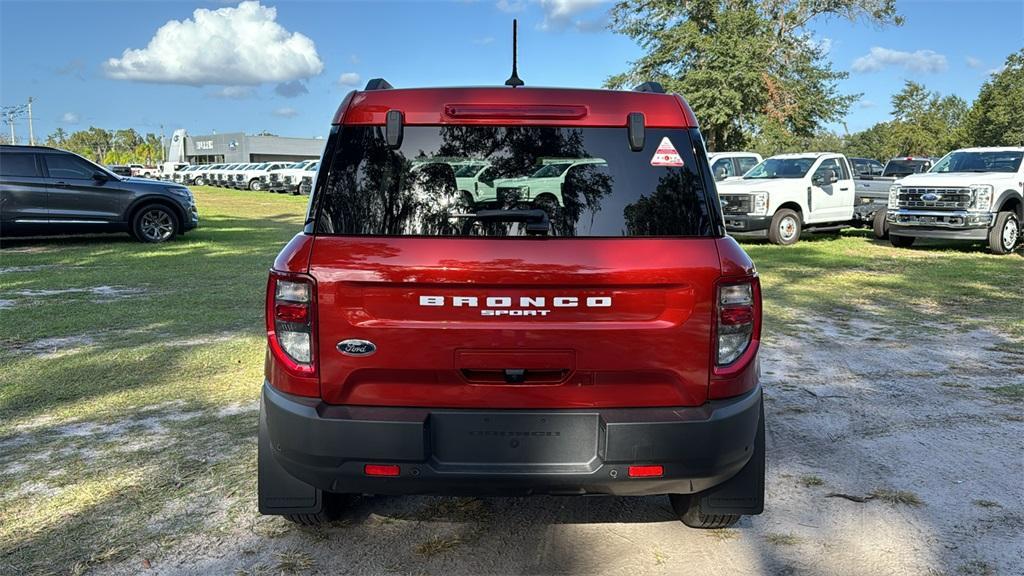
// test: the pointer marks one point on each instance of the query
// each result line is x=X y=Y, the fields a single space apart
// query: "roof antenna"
x=514 y=80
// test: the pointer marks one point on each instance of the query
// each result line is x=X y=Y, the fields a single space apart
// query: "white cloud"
x=237 y=46
x=561 y=14
x=69 y=118
x=918 y=61
x=483 y=41
x=286 y=112
x=291 y=89
x=348 y=79
x=233 y=93
x=510 y=6
x=974 y=63
x=865 y=104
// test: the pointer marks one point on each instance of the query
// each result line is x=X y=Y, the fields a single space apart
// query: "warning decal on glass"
x=666 y=154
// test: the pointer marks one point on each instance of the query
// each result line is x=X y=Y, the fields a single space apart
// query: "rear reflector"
x=652 y=471
x=381 y=470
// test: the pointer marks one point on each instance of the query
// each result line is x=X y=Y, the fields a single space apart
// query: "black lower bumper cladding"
x=307 y=447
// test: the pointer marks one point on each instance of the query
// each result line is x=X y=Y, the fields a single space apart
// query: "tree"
x=746 y=67
x=997 y=116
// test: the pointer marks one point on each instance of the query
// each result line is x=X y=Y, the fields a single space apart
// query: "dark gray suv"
x=47 y=191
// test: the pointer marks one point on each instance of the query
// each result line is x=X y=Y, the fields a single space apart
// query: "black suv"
x=47 y=191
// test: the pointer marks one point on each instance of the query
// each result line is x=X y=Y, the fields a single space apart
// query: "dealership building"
x=240 y=147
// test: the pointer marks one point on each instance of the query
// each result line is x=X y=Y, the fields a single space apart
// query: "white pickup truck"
x=789 y=193
x=974 y=194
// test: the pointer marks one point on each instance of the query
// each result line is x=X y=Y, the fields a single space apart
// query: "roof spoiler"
x=378 y=84
x=654 y=87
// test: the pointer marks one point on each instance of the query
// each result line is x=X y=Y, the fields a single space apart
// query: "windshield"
x=605 y=190
x=900 y=168
x=312 y=167
x=780 y=168
x=995 y=161
x=468 y=170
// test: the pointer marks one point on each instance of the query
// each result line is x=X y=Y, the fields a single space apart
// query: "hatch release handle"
x=515 y=375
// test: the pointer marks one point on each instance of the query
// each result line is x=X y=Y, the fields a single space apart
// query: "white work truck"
x=787 y=194
x=974 y=194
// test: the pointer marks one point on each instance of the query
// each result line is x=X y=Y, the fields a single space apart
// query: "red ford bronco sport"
x=422 y=341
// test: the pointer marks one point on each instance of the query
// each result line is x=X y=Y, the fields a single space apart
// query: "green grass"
x=117 y=444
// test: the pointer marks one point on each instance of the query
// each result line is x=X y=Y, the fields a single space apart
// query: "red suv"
x=572 y=319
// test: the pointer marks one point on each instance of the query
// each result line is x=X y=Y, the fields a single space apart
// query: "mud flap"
x=744 y=492
x=280 y=492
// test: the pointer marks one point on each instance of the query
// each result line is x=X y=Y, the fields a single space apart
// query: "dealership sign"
x=204 y=145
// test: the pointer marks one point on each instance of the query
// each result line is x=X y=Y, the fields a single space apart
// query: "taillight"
x=291 y=334
x=737 y=334
x=735 y=321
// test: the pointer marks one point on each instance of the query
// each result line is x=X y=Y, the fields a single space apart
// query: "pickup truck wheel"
x=154 y=224
x=255 y=186
x=333 y=506
x=785 y=228
x=200 y=182
x=687 y=508
x=880 y=226
x=1003 y=237
x=901 y=241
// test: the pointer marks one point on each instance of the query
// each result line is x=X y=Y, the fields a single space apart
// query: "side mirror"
x=100 y=176
x=818 y=179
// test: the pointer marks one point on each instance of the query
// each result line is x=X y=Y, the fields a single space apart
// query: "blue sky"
x=70 y=56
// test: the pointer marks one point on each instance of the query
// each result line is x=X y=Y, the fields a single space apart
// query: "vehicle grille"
x=238 y=177
x=945 y=198
x=274 y=177
x=735 y=203
x=287 y=179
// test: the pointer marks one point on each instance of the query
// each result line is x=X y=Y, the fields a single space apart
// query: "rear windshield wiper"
x=536 y=220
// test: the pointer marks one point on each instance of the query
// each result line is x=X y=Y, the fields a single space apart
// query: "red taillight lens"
x=651 y=471
x=291 y=300
x=381 y=470
x=737 y=335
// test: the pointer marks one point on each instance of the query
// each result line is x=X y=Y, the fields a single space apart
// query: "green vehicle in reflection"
x=475 y=179
x=543 y=186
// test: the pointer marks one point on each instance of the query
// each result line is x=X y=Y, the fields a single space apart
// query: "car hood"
x=957 y=178
x=147 y=182
x=741 y=186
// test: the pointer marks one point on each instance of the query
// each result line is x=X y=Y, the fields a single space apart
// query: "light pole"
x=31 y=133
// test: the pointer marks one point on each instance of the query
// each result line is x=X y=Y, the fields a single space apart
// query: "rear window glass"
x=906 y=167
x=18 y=165
x=493 y=181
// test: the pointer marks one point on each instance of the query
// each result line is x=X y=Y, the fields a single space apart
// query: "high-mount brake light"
x=290 y=316
x=515 y=111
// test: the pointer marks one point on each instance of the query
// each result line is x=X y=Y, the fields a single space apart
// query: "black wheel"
x=901 y=241
x=785 y=228
x=687 y=509
x=880 y=226
x=199 y=181
x=154 y=224
x=334 y=505
x=1005 y=234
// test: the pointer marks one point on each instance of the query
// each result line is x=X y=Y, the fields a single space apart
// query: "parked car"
x=609 y=347
x=143 y=171
x=46 y=191
x=233 y=176
x=907 y=165
x=167 y=170
x=732 y=164
x=286 y=180
x=866 y=167
x=974 y=194
x=120 y=169
x=186 y=175
x=789 y=193
x=254 y=177
x=544 y=186
x=223 y=176
x=306 y=179
x=202 y=176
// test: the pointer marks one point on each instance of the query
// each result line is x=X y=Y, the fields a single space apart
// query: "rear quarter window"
x=19 y=165
x=587 y=180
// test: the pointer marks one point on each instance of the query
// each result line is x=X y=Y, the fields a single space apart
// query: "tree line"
x=109 y=146
x=759 y=80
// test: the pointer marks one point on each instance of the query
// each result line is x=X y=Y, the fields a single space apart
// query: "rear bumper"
x=506 y=452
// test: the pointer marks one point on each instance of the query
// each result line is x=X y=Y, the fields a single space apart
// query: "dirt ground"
x=929 y=432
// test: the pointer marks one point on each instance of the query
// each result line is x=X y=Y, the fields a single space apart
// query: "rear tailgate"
x=515 y=323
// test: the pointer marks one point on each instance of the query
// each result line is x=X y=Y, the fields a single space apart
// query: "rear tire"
x=880 y=226
x=200 y=182
x=901 y=241
x=785 y=228
x=255 y=186
x=687 y=508
x=333 y=507
x=1005 y=234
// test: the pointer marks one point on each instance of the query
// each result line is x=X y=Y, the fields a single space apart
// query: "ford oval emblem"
x=356 y=347
x=930 y=197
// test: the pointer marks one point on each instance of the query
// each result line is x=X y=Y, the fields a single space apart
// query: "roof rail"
x=654 y=87
x=378 y=84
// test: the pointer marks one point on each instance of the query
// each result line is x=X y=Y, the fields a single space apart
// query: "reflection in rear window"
x=444 y=180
